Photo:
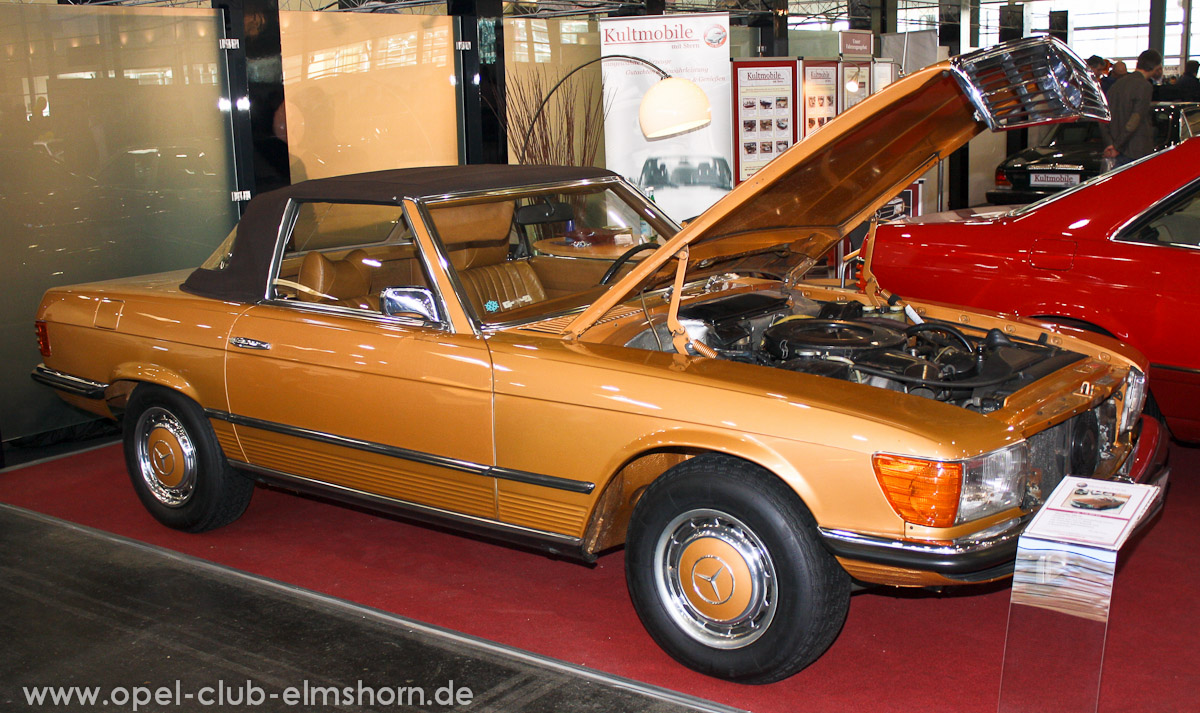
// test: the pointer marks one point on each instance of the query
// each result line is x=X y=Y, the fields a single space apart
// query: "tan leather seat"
x=476 y=238
x=501 y=287
x=345 y=282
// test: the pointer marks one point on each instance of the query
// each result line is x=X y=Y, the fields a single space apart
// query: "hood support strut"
x=679 y=335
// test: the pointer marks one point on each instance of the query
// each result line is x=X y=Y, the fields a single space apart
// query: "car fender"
x=134 y=372
x=647 y=458
x=697 y=439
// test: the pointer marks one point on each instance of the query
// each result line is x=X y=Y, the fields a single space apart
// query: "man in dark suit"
x=1188 y=86
x=1130 y=134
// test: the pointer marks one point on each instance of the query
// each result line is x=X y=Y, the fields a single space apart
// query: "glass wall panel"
x=367 y=92
x=538 y=52
x=114 y=142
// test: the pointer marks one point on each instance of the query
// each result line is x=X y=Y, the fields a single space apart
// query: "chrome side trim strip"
x=75 y=385
x=552 y=541
x=1168 y=367
x=464 y=466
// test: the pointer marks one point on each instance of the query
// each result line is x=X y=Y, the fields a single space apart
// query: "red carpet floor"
x=899 y=651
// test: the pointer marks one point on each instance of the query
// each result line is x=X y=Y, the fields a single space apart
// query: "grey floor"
x=84 y=608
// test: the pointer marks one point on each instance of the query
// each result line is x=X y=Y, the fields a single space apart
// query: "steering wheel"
x=624 y=258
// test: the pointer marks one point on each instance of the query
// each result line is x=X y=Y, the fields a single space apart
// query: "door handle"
x=246 y=343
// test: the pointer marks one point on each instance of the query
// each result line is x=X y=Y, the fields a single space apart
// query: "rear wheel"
x=176 y=465
x=727 y=574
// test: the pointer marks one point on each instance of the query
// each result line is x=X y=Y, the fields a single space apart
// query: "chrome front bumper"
x=990 y=554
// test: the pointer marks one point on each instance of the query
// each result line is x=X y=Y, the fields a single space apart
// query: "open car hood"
x=813 y=194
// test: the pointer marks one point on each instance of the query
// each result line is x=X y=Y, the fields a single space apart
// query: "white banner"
x=687 y=173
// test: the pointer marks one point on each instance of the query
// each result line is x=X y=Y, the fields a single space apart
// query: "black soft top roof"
x=244 y=279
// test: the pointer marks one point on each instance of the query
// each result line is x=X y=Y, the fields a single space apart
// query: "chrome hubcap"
x=166 y=456
x=715 y=578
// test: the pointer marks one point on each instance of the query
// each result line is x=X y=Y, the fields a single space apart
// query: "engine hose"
x=917 y=381
x=945 y=328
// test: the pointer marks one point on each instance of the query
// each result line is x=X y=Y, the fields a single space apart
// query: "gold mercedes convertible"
x=758 y=441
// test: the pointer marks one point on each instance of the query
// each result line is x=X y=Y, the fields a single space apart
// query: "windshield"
x=678 y=171
x=1073 y=134
x=522 y=256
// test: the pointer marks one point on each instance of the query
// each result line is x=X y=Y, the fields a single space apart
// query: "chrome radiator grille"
x=1075 y=447
x=1031 y=81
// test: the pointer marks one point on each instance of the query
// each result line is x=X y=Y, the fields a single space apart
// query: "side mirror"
x=408 y=301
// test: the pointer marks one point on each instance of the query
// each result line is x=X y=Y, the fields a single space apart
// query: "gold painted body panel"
x=372 y=380
x=161 y=335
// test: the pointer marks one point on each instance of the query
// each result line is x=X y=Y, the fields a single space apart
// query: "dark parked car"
x=1072 y=153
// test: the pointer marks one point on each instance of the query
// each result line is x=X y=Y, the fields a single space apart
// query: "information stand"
x=1062 y=593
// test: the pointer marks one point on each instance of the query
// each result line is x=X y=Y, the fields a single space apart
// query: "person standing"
x=1188 y=86
x=1115 y=72
x=1098 y=67
x=1130 y=134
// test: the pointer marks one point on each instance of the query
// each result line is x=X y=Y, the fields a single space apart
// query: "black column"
x=481 y=32
x=260 y=151
x=1059 y=24
x=772 y=29
x=859 y=14
x=1012 y=22
x=958 y=165
x=1012 y=27
x=883 y=16
x=1158 y=25
x=973 y=38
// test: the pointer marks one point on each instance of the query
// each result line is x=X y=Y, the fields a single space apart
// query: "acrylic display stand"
x=1062 y=594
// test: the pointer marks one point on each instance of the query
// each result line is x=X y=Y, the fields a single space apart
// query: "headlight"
x=1135 y=398
x=993 y=482
x=945 y=493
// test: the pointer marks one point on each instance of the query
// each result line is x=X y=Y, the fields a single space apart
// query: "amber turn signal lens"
x=43 y=337
x=923 y=492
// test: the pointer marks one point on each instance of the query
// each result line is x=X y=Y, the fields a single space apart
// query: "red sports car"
x=1119 y=255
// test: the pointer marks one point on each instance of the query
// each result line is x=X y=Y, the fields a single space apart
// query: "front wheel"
x=176 y=465
x=727 y=574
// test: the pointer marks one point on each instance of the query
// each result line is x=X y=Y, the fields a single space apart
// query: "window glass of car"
x=1176 y=224
x=517 y=255
x=1073 y=134
x=219 y=259
x=1191 y=118
x=345 y=255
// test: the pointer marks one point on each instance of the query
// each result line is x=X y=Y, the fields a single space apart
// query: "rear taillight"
x=43 y=337
x=1002 y=177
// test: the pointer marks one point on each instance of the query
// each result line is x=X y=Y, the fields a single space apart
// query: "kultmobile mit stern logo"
x=715 y=36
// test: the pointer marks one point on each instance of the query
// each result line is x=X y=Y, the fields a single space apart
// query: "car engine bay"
x=969 y=367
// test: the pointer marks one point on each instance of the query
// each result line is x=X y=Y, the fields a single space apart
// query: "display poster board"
x=764 y=110
x=883 y=73
x=820 y=94
x=856 y=83
x=912 y=198
x=686 y=173
x=1092 y=513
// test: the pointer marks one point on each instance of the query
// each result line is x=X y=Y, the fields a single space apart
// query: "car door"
x=327 y=390
x=1149 y=269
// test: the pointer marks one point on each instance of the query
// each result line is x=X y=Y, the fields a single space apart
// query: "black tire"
x=715 y=508
x=177 y=467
